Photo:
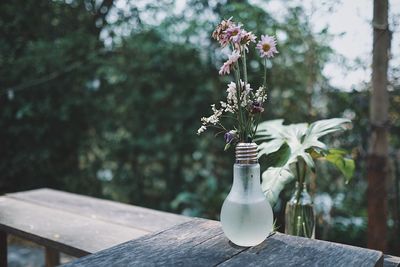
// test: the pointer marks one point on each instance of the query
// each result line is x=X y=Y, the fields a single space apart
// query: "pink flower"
x=267 y=46
x=247 y=37
x=219 y=33
x=226 y=68
x=234 y=33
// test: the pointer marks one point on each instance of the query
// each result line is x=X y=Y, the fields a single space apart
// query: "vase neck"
x=246 y=182
x=246 y=153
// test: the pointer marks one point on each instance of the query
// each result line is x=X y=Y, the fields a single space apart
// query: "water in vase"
x=246 y=224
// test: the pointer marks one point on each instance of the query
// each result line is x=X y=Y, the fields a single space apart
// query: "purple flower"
x=234 y=33
x=256 y=107
x=230 y=136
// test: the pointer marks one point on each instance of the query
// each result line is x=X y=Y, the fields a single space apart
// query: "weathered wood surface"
x=391 y=261
x=201 y=243
x=68 y=232
x=118 y=213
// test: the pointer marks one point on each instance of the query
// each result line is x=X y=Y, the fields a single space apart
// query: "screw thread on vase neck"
x=246 y=153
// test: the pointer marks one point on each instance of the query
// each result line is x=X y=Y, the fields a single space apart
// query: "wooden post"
x=52 y=257
x=377 y=163
x=3 y=249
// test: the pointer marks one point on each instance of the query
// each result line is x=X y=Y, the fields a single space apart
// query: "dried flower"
x=247 y=38
x=201 y=129
x=267 y=46
x=234 y=33
x=219 y=33
x=260 y=95
x=256 y=107
x=231 y=98
x=233 y=58
x=242 y=103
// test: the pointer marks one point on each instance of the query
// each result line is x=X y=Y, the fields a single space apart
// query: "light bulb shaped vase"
x=246 y=215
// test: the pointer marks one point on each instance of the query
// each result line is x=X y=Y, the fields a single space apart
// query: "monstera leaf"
x=282 y=145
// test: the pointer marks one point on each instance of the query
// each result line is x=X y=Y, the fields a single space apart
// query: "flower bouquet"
x=243 y=104
x=246 y=215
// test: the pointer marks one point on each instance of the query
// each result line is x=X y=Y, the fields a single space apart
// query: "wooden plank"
x=67 y=232
x=52 y=257
x=3 y=249
x=195 y=243
x=202 y=243
x=391 y=261
x=110 y=211
x=285 y=250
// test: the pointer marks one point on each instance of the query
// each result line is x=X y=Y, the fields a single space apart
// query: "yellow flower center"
x=266 y=47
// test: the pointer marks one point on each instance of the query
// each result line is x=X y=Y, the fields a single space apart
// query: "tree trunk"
x=377 y=163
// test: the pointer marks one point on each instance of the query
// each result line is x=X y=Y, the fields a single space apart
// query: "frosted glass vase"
x=246 y=215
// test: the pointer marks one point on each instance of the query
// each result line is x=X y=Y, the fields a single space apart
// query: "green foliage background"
x=105 y=100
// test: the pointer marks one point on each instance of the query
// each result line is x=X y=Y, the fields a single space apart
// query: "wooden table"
x=74 y=224
x=201 y=242
x=124 y=235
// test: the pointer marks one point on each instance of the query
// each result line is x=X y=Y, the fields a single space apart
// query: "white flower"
x=245 y=96
x=214 y=118
x=201 y=129
x=232 y=100
x=260 y=95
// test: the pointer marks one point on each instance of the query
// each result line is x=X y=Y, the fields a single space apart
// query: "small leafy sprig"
x=243 y=104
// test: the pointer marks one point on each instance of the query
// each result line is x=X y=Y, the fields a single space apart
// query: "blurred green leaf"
x=345 y=165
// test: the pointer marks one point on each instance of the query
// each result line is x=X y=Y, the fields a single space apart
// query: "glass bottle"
x=246 y=215
x=299 y=213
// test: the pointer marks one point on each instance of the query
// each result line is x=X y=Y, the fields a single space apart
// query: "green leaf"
x=302 y=141
x=267 y=148
x=316 y=153
x=278 y=158
x=345 y=165
x=227 y=146
x=273 y=182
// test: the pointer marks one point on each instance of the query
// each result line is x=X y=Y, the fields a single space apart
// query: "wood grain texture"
x=196 y=243
x=3 y=249
x=128 y=215
x=285 y=250
x=391 y=261
x=67 y=232
x=202 y=243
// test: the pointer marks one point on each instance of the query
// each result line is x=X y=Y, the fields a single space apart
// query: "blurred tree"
x=48 y=50
x=377 y=166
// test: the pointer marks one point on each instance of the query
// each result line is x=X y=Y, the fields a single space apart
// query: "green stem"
x=301 y=218
x=265 y=74
x=255 y=128
x=244 y=66
x=238 y=95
